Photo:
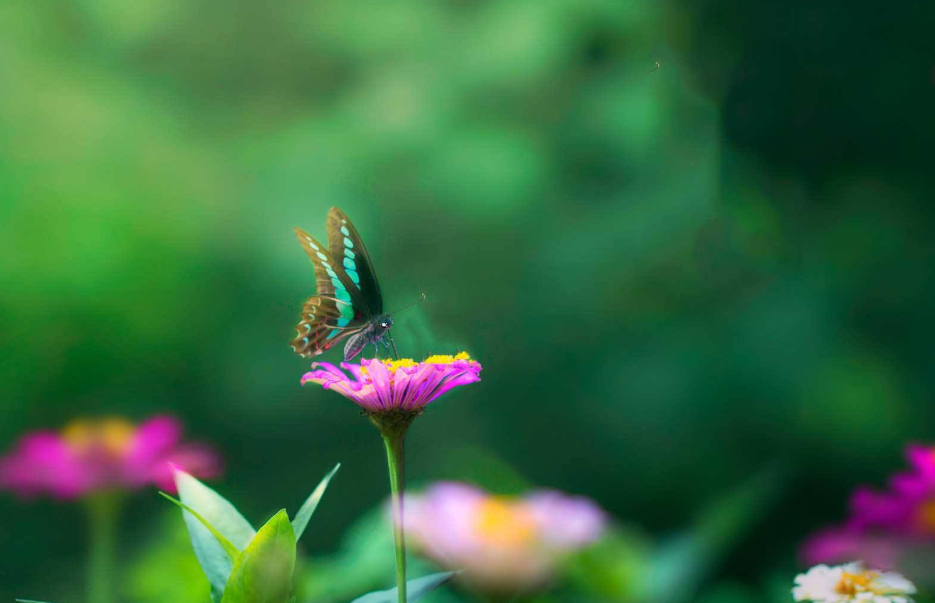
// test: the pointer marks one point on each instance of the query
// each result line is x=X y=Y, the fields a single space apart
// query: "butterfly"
x=348 y=304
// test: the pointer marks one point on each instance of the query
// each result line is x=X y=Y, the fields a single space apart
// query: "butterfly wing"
x=346 y=245
x=320 y=327
x=338 y=309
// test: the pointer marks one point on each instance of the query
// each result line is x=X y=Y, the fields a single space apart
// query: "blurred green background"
x=674 y=278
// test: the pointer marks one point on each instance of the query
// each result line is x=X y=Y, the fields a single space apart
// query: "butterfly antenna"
x=420 y=300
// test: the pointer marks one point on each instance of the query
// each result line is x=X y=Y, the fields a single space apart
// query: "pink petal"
x=567 y=522
x=153 y=440
x=42 y=463
x=195 y=459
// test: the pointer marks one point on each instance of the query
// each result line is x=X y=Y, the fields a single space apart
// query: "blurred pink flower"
x=93 y=455
x=503 y=544
x=834 y=545
x=883 y=526
x=922 y=459
x=383 y=386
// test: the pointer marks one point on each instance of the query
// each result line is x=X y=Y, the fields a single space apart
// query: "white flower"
x=851 y=582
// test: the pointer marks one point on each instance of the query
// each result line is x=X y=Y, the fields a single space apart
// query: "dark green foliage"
x=671 y=277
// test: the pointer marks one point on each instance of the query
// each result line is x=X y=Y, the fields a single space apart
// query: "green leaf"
x=144 y=573
x=415 y=589
x=229 y=548
x=311 y=503
x=681 y=566
x=360 y=564
x=217 y=511
x=263 y=571
x=613 y=568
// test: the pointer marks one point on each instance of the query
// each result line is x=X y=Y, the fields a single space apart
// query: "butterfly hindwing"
x=320 y=327
x=347 y=247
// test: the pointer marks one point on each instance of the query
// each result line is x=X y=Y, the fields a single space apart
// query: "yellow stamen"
x=396 y=364
x=78 y=434
x=926 y=515
x=111 y=435
x=446 y=358
x=392 y=365
x=505 y=523
x=851 y=584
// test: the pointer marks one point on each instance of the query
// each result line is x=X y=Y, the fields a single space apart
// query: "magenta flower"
x=504 y=545
x=393 y=393
x=884 y=528
x=834 y=545
x=907 y=508
x=90 y=456
x=382 y=386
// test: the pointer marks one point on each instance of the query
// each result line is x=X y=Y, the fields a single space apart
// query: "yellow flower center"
x=851 y=584
x=112 y=435
x=446 y=358
x=393 y=365
x=505 y=523
x=926 y=516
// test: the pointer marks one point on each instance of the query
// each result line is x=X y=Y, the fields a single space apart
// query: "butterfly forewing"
x=316 y=253
x=347 y=247
x=330 y=276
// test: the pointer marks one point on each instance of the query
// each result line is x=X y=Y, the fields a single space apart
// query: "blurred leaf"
x=311 y=503
x=613 y=568
x=221 y=514
x=681 y=565
x=164 y=550
x=415 y=589
x=777 y=588
x=229 y=548
x=364 y=561
x=730 y=592
x=263 y=571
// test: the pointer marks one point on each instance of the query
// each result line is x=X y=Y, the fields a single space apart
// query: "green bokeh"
x=674 y=277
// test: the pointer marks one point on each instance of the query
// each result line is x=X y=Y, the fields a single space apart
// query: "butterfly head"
x=384 y=322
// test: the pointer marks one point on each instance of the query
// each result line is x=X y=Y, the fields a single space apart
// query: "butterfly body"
x=377 y=332
x=348 y=303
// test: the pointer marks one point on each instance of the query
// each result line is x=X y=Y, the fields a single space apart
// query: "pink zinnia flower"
x=89 y=456
x=839 y=544
x=393 y=393
x=907 y=508
x=503 y=544
x=922 y=459
x=396 y=386
x=884 y=528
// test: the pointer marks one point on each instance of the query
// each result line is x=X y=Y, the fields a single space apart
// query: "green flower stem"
x=394 y=458
x=103 y=511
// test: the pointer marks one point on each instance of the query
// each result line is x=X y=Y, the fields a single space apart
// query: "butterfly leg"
x=393 y=343
x=376 y=350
